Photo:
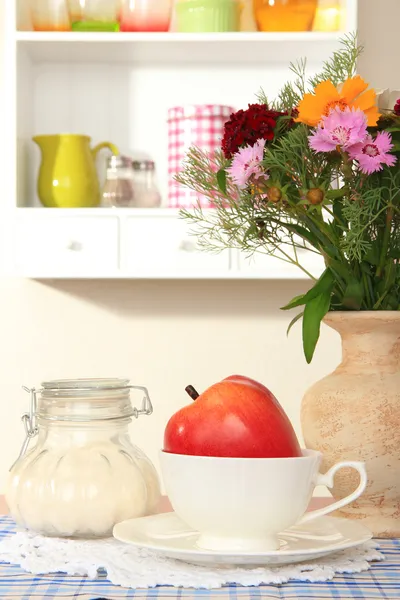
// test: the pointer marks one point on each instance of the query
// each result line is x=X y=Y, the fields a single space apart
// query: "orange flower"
x=353 y=94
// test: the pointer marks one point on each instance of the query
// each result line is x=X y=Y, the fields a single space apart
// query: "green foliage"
x=294 y=321
x=342 y=64
x=221 y=180
x=314 y=311
x=316 y=304
x=293 y=91
x=338 y=68
x=321 y=204
x=323 y=285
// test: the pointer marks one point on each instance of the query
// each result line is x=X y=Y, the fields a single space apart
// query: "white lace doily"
x=131 y=567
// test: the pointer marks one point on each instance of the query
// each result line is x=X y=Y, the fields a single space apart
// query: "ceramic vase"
x=354 y=414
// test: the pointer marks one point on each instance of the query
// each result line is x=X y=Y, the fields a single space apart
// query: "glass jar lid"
x=116 y=161
x=143 y=165
x=86 y=387
x=86 y=400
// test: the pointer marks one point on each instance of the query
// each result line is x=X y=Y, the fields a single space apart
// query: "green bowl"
x=207 y=16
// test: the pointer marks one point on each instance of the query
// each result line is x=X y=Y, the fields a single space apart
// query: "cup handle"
x=108 y=145
x=327 y=480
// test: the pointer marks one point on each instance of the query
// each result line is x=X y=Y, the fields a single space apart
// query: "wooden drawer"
x=161 y=247
x=66 y=245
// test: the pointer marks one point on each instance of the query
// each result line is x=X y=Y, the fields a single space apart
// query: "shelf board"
x=41 y=211
x=174 y=276
x=235 y=47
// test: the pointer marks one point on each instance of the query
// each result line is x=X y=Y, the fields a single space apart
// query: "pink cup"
x=145 y=15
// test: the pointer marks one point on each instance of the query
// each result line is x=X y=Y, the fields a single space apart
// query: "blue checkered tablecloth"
x=382 y=581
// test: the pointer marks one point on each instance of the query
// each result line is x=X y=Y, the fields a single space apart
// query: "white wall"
x=167 y=334
x=161 y=334
x=378 y=29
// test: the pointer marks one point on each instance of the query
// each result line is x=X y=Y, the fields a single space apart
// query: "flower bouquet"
x=317 y=170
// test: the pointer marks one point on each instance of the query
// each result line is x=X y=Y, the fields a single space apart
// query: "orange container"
x=285 y=15
x=50 y=15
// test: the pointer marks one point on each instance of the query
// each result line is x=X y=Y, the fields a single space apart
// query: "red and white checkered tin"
x=192 y=125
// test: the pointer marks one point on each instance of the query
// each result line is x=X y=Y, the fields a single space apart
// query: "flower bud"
x=274 y=194
x=315 y=196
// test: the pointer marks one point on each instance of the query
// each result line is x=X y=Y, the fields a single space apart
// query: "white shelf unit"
x=118 y=87
x=125 y=244
x=205 y=48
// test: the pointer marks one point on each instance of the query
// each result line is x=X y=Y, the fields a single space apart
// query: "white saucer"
x=168 y=536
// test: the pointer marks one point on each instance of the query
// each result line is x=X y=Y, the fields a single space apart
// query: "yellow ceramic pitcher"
x=67 y=175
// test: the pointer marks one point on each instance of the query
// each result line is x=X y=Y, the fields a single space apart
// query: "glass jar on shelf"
x=146 y=191
x=50 y=15
x=285 y=15
x=84 y=475
x=94 y=15
x=145 y=15
x=208 y=16
x=329 y=16
x=118 y=189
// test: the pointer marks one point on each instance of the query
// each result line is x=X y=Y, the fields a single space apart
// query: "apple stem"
x=192 y=392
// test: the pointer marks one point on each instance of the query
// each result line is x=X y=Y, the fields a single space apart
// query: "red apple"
x=249 y=381
x=232 y=418
x=268 y=394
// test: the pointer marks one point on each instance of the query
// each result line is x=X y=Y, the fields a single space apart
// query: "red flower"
x=397 y=108
x=245 y=127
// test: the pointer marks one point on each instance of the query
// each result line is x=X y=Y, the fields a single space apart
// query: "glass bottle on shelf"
x=50 y=15
x=145 y=15
x=146 y=191
x=94 y=15
x=285 y=15
x=84 y=474
x=118 y=189
x=329 y=15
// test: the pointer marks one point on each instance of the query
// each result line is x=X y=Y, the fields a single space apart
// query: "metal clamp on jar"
x=84 y=475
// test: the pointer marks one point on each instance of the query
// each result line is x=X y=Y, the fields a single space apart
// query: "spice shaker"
x=118 y=189
x=146 y=192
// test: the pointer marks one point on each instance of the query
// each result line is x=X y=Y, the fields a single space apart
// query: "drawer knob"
x=187 y=246
x=74 y=246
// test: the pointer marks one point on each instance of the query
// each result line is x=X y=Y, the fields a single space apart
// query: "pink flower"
x=246 y=164
x=372 y=154
x=342 y=128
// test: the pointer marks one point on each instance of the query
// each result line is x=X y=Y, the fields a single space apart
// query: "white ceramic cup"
x=243 y=503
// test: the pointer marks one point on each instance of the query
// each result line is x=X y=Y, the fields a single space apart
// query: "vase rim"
x=359 y=315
